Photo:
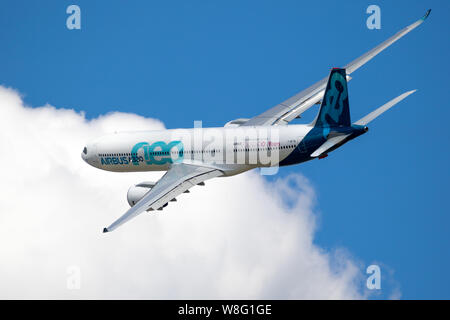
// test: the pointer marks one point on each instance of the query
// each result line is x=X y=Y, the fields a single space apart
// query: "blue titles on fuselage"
x=158 y=153
x=115 y=160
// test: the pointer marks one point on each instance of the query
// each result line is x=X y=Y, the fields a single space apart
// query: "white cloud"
x=233 y=238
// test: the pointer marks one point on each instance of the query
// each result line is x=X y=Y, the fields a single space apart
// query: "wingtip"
x=426 y=14
x=105 y=230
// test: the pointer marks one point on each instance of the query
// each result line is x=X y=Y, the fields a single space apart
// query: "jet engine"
x=236 y=123
x=138 y=191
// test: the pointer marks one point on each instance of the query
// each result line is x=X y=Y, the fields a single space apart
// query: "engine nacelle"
x=236 y=122
x=138 y=191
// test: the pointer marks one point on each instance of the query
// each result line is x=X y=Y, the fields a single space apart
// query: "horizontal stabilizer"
x=329 y=144
x=383 y=108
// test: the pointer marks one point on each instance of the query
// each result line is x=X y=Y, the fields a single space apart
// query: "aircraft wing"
x=179 y=178
x=293 y=107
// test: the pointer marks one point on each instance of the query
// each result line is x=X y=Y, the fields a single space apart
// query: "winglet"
x=105 y=230
x=426 y=14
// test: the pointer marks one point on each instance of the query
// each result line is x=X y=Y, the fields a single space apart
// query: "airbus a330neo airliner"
x=191 y=156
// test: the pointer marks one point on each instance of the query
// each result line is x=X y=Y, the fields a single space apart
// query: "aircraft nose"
x=84 y=154
x=88 y=154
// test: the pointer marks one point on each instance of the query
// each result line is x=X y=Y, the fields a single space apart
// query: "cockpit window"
x=85 y=150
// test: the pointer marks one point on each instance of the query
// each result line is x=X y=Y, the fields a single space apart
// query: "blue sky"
x=382 y=196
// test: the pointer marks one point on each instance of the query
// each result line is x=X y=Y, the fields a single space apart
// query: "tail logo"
x=335 y=99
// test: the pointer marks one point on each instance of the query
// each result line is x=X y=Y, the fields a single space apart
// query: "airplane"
x=192 y=156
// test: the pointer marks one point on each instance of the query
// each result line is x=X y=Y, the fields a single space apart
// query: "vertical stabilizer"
x=334 y=111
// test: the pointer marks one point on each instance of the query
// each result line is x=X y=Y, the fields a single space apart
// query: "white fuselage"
x=232 y=149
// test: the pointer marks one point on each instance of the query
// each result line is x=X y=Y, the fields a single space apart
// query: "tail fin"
x=334 y=111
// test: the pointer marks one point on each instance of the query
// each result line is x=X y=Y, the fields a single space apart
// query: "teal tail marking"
x=334 y=111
